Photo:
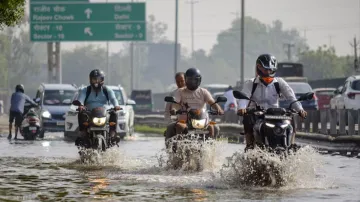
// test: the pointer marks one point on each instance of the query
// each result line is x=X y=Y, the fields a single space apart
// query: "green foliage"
x=11 y=12
x=324 y=63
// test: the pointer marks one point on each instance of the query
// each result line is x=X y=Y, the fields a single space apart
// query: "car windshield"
x=300 y=88
x=355 y=85
x=58 y=97
x=119 y=96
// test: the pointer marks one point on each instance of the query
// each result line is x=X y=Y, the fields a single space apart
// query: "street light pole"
x=176 y=35
x=242 y=42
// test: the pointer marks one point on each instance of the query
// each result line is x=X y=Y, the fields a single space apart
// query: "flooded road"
x=49 y=169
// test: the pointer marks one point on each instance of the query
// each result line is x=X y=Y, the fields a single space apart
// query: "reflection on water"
x=50 y=169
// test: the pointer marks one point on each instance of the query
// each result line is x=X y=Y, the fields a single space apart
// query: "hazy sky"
x=333 y=22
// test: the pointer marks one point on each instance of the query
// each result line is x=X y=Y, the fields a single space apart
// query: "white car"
x=125 y=126
x=348 y=95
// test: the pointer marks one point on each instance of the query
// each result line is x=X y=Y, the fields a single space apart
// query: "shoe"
x=249 y=147
x=9 y=137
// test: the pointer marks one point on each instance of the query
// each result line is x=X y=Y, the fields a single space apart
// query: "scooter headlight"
x=198 y=124
x=99 y=121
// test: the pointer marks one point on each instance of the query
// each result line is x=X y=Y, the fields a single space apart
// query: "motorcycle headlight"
x=99 y=121
x=46 y=114
x=198 y=124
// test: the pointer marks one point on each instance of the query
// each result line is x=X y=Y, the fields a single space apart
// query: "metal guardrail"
x=326 y=142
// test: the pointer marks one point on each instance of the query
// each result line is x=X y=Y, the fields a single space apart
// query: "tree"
x=324 y=63
x=11 y=12
x=259 y=38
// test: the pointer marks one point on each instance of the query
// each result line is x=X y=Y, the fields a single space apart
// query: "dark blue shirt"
x=18 y=100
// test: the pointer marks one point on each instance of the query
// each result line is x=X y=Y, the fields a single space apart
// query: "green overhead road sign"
x=65 y=21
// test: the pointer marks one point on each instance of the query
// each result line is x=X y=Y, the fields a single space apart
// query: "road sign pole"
x=176 y=36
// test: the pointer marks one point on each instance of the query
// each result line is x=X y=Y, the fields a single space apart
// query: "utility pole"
x=132 y=63
x=192 y=2
x=242 y=53
x=107 y=62
x=355 y=45
x=176 y=35
x=54 y=62
x=288 y=51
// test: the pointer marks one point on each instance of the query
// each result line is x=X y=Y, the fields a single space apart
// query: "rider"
x=195 y=97
x=180 y=83
x=98 y=96
x=265 y=89
x=18 y=99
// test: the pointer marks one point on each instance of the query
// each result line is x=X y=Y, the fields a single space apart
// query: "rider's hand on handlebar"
x=302 y=114
x=117 y=108
x=220 y=112
x=241 y=112
x=81 y=108
x=173 y=112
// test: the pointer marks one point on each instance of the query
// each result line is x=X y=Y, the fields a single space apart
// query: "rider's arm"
x=112 y=97
x=27 y=98
x=82 y=95
x=167 y=115
x=247 y=91
x=289 y=94
x=210 y=100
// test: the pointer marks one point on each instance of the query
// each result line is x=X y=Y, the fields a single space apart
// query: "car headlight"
x=46 y=114
x=99 y=121
x=198 y=124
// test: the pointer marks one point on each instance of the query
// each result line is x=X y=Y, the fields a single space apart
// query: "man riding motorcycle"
x=265 y=89
x=195 y=97
x=97 y=95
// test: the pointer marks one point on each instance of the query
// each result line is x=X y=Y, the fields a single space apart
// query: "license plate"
x=198 y=132
x=277 y=117
x=97 y=129
x=60 y=123
x=32 y=128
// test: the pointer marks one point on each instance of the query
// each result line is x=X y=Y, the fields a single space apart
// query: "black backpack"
x=276 y=84
x=88 y=91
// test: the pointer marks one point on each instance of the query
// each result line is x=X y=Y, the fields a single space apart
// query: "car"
x=300 y=88
x=126 y=116
x=54 y=101
x=324 y=96
x=347 y=96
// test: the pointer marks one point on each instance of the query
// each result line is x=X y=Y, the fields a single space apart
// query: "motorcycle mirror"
x=221 y=99
x=240 y=95
x=170 y=99
x=306 y=96
x=76 y=103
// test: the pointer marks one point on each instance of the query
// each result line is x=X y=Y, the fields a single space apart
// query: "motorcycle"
x=30 y=126
x=97 y=129
x=273 y=130
x=197 y=123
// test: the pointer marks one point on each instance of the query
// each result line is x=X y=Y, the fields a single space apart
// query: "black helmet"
x=96 y=78
x=192 y=78
x=19 y=88
x=264 y=63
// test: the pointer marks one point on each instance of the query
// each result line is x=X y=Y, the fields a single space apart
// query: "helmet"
x=192 y=78
x=266 y=66
x=19 y=88
x=96 y=78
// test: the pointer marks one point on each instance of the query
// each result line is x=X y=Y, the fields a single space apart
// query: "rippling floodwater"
x=48 y=170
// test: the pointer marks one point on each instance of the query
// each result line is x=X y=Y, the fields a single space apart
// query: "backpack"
x=276 y=84
x=88 y=91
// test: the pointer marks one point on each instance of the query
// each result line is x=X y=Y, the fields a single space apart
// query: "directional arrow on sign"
x=138 y=27
x=88 y=12
x=87 y=31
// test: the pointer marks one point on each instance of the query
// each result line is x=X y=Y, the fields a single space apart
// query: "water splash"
x=258 y=168
x=190 y=156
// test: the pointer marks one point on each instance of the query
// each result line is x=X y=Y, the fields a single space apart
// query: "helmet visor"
x=266 y=71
